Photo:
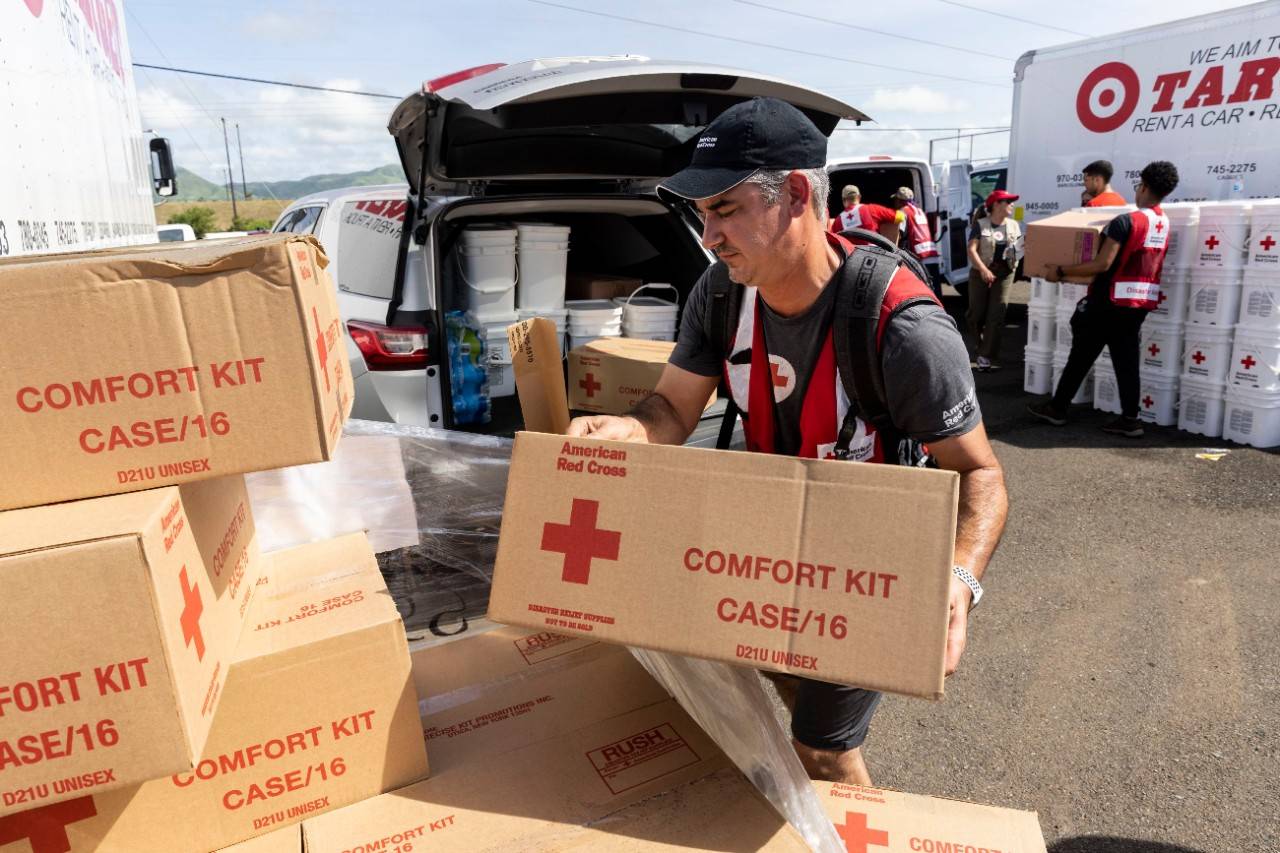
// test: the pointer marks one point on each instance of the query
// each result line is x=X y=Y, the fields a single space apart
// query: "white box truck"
x=74 y=161
x=1203 y=93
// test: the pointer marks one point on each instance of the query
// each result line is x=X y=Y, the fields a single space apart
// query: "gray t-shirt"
x=928 y=381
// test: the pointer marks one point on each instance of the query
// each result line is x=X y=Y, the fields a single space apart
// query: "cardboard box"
x=121 y=616
x=826 y=569
x=589 y=285
x=875 y=819
x=319 y=711
x=1068 y=238
x=539 y=369
x=287 y=840
x=143 y=366
x=610 y=375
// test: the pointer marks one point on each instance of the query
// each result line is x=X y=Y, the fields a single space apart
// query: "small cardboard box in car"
x=1064 y=240
x=318 y=711
x=609 y=376
x=165 y=364
x=539 y=367
x=588 y=285
x=120 y=618
x=893 y=822
x=832 y=570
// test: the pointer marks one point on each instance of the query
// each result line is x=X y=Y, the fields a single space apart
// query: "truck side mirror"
x=163 y=176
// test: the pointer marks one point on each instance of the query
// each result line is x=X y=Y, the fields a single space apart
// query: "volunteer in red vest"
x=1126 y=286
x=919 y=238
x=868 y=217
x=760 y=186
x=1097 y=183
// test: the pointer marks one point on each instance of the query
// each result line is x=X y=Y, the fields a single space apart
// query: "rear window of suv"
x=368 y=240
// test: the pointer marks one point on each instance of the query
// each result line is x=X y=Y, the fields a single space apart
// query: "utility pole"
x=231 y=176
x=244 y=188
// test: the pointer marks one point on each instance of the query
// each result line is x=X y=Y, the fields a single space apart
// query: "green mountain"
x=192 y=187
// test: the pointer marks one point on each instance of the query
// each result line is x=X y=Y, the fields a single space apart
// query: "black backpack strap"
x=880 y=241
x=725 y=300
x=861 y=293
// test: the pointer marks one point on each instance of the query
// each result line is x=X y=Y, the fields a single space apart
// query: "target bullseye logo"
x=1107 y=97
x=36 y=6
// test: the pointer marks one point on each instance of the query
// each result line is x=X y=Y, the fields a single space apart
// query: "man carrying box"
x=759 y=183
x=1126 y=286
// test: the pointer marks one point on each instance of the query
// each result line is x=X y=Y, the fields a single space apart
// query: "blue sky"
x=391 y=46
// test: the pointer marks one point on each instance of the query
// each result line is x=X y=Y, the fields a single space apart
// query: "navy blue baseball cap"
x=762 y=133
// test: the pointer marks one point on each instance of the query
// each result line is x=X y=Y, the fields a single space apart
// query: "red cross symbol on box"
x=581 y=541
x=1154 y=350
x=1198 y=357
x=46 y=827
x=1266 y=243
x=192 y=607
x=320 y=349
x=1147 y=402
x=589 y=384
x=1248 y=362
x=1212 y=242
x=857 y=836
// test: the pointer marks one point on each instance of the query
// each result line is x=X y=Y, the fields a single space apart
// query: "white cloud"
x=915 y=100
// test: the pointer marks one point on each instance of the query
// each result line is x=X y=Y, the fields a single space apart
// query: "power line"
x=704 y=34
x=185 y=129
x=822 y=20
x=267 y=82
x=1013 y=18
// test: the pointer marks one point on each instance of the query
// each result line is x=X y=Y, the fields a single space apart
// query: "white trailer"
x=75 y=166
x=1203 y=93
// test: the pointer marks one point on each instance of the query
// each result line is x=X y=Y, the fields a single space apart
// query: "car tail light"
x=390 y=347
x=458 y=76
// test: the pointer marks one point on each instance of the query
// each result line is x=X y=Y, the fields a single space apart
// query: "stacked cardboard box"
x=166 y=686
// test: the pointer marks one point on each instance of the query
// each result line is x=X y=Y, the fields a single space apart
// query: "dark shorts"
x=831 y=716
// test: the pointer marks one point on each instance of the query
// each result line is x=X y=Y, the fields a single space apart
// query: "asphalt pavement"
x=1122 y=676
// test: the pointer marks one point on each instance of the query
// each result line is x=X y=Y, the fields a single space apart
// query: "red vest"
x=919 y=237
x=1137 y=279
x=752 y=378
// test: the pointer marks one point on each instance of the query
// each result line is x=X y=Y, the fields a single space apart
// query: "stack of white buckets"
x=510 y=274
x=633 y=316
x=1049 y=338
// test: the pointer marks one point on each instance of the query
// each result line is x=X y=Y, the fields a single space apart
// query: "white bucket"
x=576 y=341
x=1223 y=234
x=1062 y=335
x=1084 y=394
x=1043 y=293
x=1255 y=360
x=1251 y=417
x=1214 y=297
x=1157 y=398
x=647 y=317
x=1037 y=371
x=560 y=318
x=1184 y=220
x=1161 y=349
x=1175 y=288
x=1206 y=352
x=502 y=378
x=488 y=234
x=1040 y=326
x=542 y=232
x=1106 y=392
x=1069 y=294
x=1260 y=300
x=594 y=318
x=544 y=258
x=1264 y=239
x=489 y=273
x=1200 y=407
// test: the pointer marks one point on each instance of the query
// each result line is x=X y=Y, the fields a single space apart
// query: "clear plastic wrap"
x=431 y=502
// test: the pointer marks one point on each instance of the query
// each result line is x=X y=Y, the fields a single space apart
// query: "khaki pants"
x=986 y=309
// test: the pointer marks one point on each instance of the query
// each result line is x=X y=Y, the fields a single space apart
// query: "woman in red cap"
x=995 y=243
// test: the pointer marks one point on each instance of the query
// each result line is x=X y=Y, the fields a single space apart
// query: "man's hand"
x=957 y=622
x=988 y=277
x=1051 y=274
x=609 y=427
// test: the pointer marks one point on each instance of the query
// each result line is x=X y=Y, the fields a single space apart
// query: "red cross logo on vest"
x=1147 y=402
x=323 y=353
x=857 y=836
x=1266 y=243
x=1162 y=298
x=1212 y=242
x=1198 y=357
x=589 y=384
x=1248 y=362
x=46 y=827
x=1159 y=226
x=581 y=541
x=192 y=607
x=1154 y=350
x=783 y=376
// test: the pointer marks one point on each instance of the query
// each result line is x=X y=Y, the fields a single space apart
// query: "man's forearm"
x=984 y=506
x=660 y=421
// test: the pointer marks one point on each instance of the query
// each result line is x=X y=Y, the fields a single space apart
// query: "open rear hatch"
x=587 y=118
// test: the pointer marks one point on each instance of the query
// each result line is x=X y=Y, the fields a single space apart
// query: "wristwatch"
x=970 y=581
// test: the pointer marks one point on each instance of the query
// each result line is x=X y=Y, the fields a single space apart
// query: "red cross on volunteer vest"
x=581 y=541
x=778 y=381
x=1248 y=362
x=1147 y=402
x=1212 y=242
x=1266 y=243
x=1198 y=357
x=46 y=827
x=1162 y=298
x=589 y=384
x=192 y=607
x=857 y=836
x=1154 y=350
x=1159 y=227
